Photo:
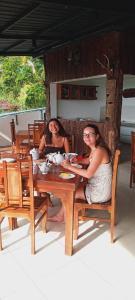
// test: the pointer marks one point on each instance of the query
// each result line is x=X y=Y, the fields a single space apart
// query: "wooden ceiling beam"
x=13 y=45
x=29 y=37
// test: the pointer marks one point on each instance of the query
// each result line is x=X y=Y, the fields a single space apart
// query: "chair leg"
x=0 y=239
x=44 y=223
x=76 y=224
x=32 y=237
x=1 y=219
x=131 y=179
x=113 y=220
x=12 y=223
x=83 y=212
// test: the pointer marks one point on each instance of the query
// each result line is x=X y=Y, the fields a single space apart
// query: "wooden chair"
x=12 y=222
x=109 y=207
x=132 y=169
x=35 y=132
x=20 y=204
x=24 y=146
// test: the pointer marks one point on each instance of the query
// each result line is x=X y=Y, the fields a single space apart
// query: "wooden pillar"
x=114 y=89
x=48 y=112
x=47 y=92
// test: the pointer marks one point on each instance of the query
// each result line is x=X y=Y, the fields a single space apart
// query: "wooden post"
x=47 y=92
x=114 y=89
x=48 y=113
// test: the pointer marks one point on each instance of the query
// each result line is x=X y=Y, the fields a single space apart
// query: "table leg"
x=68 y=204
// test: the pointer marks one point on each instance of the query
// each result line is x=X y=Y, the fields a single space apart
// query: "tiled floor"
x=97 y=270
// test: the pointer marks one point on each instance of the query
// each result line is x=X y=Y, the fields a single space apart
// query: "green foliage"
x=22 y=81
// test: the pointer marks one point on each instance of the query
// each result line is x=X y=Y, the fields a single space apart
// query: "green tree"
x=22 y=81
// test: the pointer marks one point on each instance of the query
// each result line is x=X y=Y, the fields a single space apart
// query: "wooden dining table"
x=65 y=190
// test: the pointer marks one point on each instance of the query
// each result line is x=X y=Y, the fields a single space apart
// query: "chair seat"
x=97 y=205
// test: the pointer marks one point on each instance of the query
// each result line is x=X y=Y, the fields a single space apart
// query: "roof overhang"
x=34 y=27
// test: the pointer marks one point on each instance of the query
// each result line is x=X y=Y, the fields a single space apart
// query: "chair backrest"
x=13 y=132
x=35 y=132
x=39 y=121
x=132 y=147
x=13 y=183
x=114 y=177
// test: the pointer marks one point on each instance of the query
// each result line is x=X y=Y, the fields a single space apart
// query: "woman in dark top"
x=54 y=138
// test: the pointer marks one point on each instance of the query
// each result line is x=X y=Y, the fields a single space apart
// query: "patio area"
x=97 y=269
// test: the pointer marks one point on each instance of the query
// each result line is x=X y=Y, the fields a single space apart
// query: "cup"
x=35 y=153
x=44 y=168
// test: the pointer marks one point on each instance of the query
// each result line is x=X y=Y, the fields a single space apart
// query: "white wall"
x=128 y=104
x=92 y=109
x=87 y=109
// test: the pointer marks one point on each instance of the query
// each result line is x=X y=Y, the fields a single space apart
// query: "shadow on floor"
x=125 y=152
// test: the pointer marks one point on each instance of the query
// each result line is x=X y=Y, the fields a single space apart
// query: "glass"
x=89 y=134
x=74 y=92
x=55 y=169
x=65 y=92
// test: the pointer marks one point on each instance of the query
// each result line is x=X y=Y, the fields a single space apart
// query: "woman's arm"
x=84 y=161
x=66 y=145
x=89 y=172
x=42 y=144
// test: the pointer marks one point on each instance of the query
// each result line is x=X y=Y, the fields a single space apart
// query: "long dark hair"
x=48 y=134
x=100 y=141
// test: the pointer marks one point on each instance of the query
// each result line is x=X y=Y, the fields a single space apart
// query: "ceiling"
x=34 y=27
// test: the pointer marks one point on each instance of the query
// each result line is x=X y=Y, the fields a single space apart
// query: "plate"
x=76 y=165
x=65 y=175
x=7 y=159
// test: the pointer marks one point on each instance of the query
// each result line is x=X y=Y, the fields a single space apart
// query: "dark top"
x=52 y=149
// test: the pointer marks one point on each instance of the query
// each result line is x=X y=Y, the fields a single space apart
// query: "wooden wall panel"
x=127 y=52
x=76 y=127
x=65 y=63
x=62 y=63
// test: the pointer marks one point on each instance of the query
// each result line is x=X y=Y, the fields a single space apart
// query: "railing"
x=22 y=118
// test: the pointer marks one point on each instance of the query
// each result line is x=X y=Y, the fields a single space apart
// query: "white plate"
x=7 y=159
x=76 y=165
x=65 y=175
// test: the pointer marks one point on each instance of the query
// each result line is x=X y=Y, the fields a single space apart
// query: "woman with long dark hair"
x=54 y=139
